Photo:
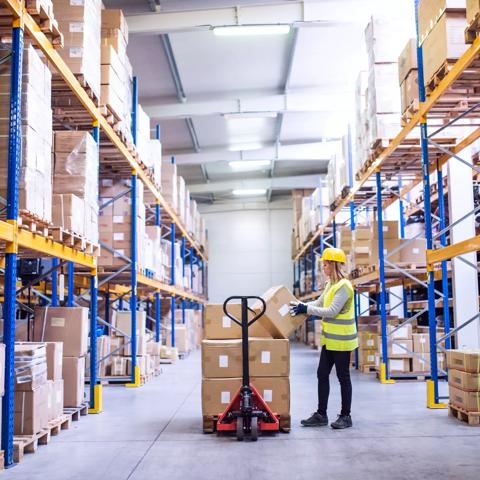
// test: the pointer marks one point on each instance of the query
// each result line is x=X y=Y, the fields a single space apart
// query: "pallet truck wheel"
x=254 y=429
x=240 y=431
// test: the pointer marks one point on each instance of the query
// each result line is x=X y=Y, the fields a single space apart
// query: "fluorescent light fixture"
x=247 y=30
x=249 y=115
x=246 y=165
x=249 y=192
x=243 y=147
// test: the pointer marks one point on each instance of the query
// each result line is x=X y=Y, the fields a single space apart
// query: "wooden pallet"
x=29 y=443
x=368 y=368
x=210 y=423
x=471 y=32
x=74 y=240
x=77 y=412
x=410 y=111
x=439 y=75
x=471 y=418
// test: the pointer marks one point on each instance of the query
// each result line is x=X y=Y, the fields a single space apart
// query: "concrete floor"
x=155 y=432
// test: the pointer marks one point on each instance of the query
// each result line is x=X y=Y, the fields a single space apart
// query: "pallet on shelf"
x=74 y=240
x=470 y=418
x=472 y=30
x=410 y=111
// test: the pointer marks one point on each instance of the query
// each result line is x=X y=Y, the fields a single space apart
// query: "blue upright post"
x=384 y=370
x=55 y=264
x=11 y=248
x=95 y=388
x=334 y=233
x=432 y=385
x=173 y=283
x=157 y=293
x=192 y=260
x=402 y=236
x=183 y=252
x=322 y=244
x=183 y=311
x=107 y=310
x=312 y=256
x=443 y=241
x=158 y=132
x=135 y=373
x=71 y=284
x=120 y=304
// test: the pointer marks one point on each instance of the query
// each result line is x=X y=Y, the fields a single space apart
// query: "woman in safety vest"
x=339 y=337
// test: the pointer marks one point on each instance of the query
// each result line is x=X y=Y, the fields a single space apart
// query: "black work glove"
x=297 y=308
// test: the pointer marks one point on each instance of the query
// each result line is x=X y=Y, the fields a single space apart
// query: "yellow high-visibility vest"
x=340 y=333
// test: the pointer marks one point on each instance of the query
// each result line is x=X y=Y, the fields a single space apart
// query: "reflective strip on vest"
x=339 y=321
x=332 y=336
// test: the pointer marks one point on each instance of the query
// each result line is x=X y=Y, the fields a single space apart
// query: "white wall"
x=249 y=250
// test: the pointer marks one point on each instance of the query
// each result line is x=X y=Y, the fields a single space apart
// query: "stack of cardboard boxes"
x=70 y=327
x=421 y=351
x=188 y=330
x=35 y=182
x=441 y=25
x=269 y=358
x=408 y=77
x=75 y=184
x=80 y=23
x=464 y=379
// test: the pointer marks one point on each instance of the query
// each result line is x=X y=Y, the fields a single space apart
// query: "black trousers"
x=341 y=360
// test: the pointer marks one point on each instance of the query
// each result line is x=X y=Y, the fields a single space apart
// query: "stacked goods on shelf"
x=68 y=325
x=148 y=356
x=399 y=346
x=441 y=31
x=188 y=330
x=338 y=173
x=35 y=179
x=269 y=358
x=117 y=72
x=80 y=23
x=31 y=389
x=473 y=11
x=408 y=78
x=421 y=350
x=115 y=223
x=367 y=342
x=75 y=183
x=385 y=40
x=170 y=184
x=103 y=349
x=362 y=239
x=55 y=378
x=362 y=148
x=464 y=379
x=299 y=207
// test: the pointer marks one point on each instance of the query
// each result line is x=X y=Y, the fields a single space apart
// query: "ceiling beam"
x=299 y=101
x=297 y=13
x=279 y=183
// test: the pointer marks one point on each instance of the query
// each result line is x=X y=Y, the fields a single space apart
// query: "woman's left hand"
x=297 y=308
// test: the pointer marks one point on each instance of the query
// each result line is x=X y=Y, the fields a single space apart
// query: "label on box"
x=396 y=364
x=107 y=182
x=223 y=361
x=118 y=236
x=415 y=251
x=77 y=3
x=118 y=253
x=76 y=52
x=117 y=219
x=76 y=27
x=402 y=332
x=370 y=358
x=268 y=395
x=225 y=397
x=226 y=322
x=370 y=342
x=57 y=322
x=398 y=350
x=377 y=361
x=422 y=339
x=49 y=403
x=58 y=396
x=266 y=357
x=283 y=310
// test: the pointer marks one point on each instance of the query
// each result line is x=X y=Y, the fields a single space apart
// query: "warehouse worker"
x=339 y=337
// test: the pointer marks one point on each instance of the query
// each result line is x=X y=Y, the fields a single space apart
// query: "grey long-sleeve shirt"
x=340 y=300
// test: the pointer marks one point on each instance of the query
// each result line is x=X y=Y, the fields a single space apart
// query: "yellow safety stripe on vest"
x=333 y=336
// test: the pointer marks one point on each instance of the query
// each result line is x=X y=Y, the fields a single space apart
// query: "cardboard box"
x=366 y=356
x=220 y=327
x=473 y=9
x=464 y=360
x=421 y=342
x=414 y=252
x=469 y=401
x=430 y=12
x=368 y=340
x=54 y=360
x=468 y=382
x=397 y=348
x=74 y=380
x=269 y=357
x=362 y=233
x=423 y=364
x=63 y=324
x=409 y=93
x=277 y=319
x=217 y=393
x=390 y=230
x=30 y=366
x=445 y=42
x=141 y=347
x=221 y=358
x=182 y=343
x=403 y=333
x=119 y=366
x=31 y=410
x=123 y=321
x=55 y=399
x=399 y=365
x=407 y=61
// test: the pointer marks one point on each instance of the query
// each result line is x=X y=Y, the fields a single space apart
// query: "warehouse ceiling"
x=282 y=99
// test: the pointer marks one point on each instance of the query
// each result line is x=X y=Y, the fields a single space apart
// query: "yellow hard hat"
x=334 y=255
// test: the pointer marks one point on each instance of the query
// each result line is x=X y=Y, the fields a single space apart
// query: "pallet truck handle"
x=254 y=319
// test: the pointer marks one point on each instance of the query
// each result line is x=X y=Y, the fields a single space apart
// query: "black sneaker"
x=316 y=420
x=343 y=421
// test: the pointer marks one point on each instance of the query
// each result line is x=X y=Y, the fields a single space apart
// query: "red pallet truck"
x=247 y=414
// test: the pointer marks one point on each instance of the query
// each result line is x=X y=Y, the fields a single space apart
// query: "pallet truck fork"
x=247 y=414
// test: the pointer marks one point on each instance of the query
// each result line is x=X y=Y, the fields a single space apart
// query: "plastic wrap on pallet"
x=170 y=184
x=80 y=23
x=35 y=182
x=30 y=363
